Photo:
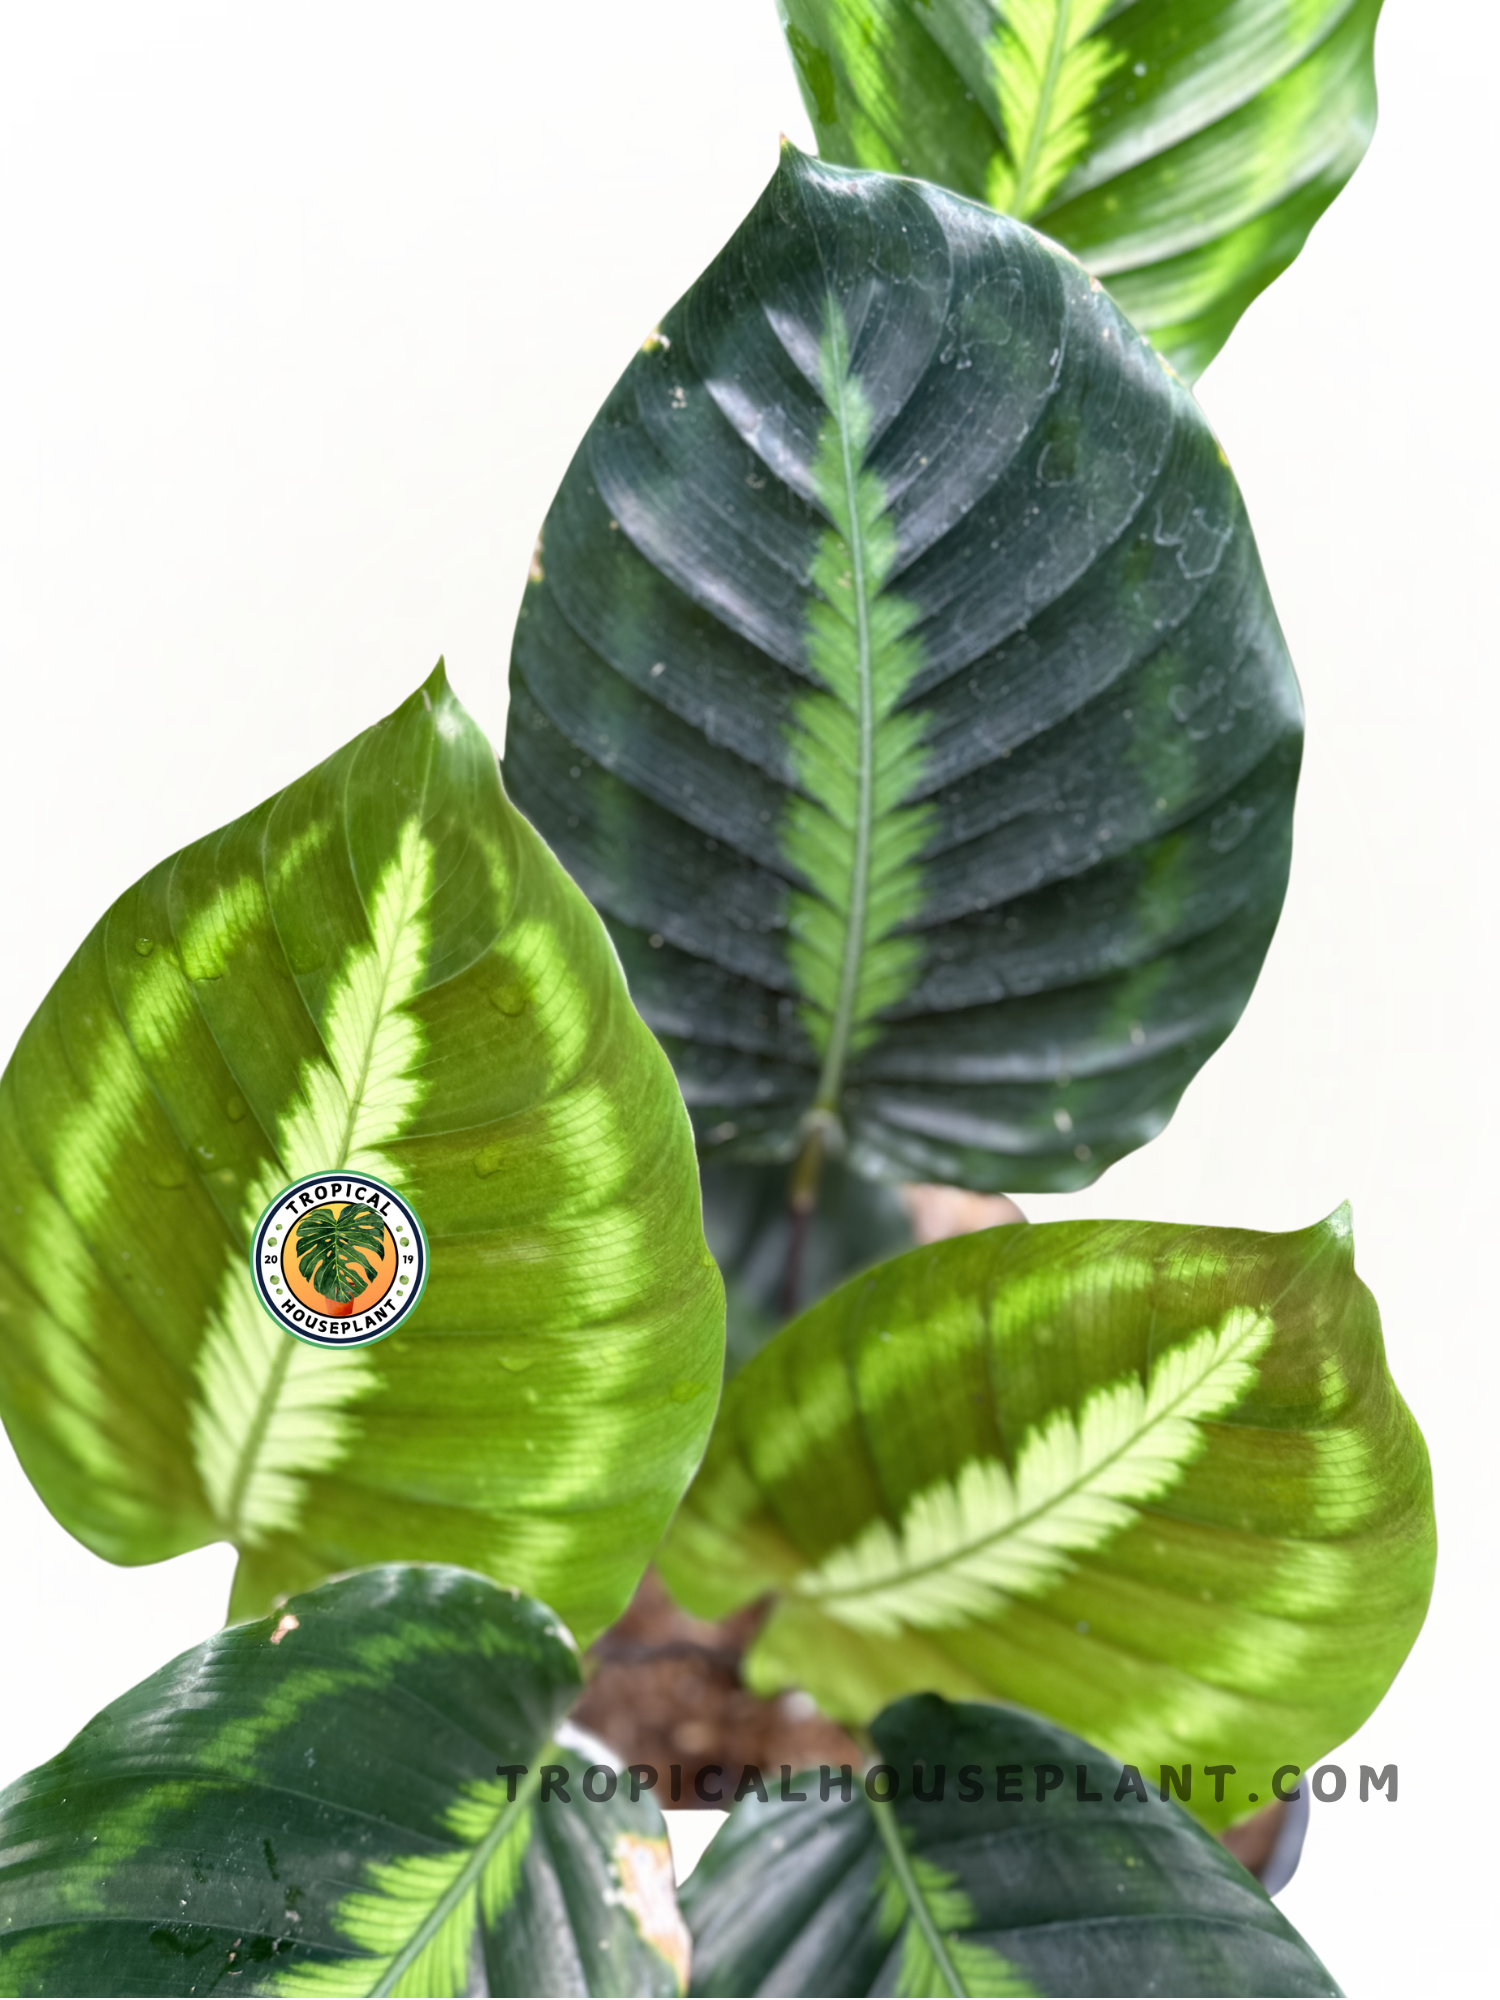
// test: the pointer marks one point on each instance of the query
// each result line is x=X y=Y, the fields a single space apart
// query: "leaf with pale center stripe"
x=966 y=1544
x=379 y=970
x=310 y=1805
x=899 y=679
x=959 y=1891
x=1183 y=149
x=1154 y=1481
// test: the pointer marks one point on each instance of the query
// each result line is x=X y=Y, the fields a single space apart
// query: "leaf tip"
x=1334 y=1235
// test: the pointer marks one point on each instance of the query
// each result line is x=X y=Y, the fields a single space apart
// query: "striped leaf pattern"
x=1153 y=1481
x=310 y=1804
x=380 y=970
x=968 y=1544
x=899 y=679
x=1183 y=149
x=958 y=1893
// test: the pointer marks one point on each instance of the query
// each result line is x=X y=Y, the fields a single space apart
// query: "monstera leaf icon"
x=331 y=1247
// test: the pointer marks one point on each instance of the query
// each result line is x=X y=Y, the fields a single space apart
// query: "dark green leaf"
x=329 y=1247
x=1181 y=148
x=750 y=1231
x=1155 y=1481
x=381 y=969
x=310 y=1805
x=903 y=686
x=956 y=1895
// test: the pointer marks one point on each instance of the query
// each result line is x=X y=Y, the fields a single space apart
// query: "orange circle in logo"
x=385 y=1267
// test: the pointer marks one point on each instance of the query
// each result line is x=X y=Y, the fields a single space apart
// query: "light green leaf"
x=960 y=1891
x=310 y=1805
x=1183 y=149
x=900 y=681
x=379 y=971
x=1154 y=1481
x=967 y=1544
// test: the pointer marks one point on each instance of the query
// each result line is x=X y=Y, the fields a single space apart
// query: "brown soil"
x=666 y=1691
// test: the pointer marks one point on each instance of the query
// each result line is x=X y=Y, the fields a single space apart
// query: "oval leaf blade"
x=1183 y=149
x=1154 y=1481
x=381 y=969
x=899 y=678
x=310 y=1804
x=1092 y=1885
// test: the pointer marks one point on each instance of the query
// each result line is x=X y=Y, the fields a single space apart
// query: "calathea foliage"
x=344 y=1798
x=1181 y=148
x=772 y=1260
x=1154 y=1481
x=380 y=969
x=900 y=680
x=986 y=1851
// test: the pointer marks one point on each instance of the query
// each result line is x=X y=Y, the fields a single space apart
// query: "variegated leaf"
x=1181 y=148
x=379 y=970
x=1082 y=1888
x=1154 y=1481
x=900 y=680
x=314 y=1804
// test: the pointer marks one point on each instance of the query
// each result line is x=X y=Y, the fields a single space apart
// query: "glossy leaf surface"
x=310 y=1805
x=380 y=969
x=1154 y=1481
x=900 y=680
x=961 y=1891
x=1181 y=148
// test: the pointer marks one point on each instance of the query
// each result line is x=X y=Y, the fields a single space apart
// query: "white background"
x=304 y=310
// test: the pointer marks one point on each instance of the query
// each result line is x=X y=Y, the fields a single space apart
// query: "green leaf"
x=750 y=1231
x=1154 y=1481
x=968 y=1893
x=902 y=684
x=1182 y=149
x=330 y=1249
x=310 y=1805
x=379 y=970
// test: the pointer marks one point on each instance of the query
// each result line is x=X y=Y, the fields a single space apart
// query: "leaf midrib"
x=831 y=1077
x=270 y=1394
x=1040 y=124
x=889 y=1829
x=951 y=1556
x=459 y=1887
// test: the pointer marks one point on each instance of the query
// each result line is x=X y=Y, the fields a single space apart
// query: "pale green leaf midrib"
x=1040 y=123
x=889 y=1829
x=908 y=1572
x=265 y=1408
x=841 y=1028
x=356 y=1095
x=505 y=1821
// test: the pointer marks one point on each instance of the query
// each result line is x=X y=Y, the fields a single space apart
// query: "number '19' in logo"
x=339 y=1259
